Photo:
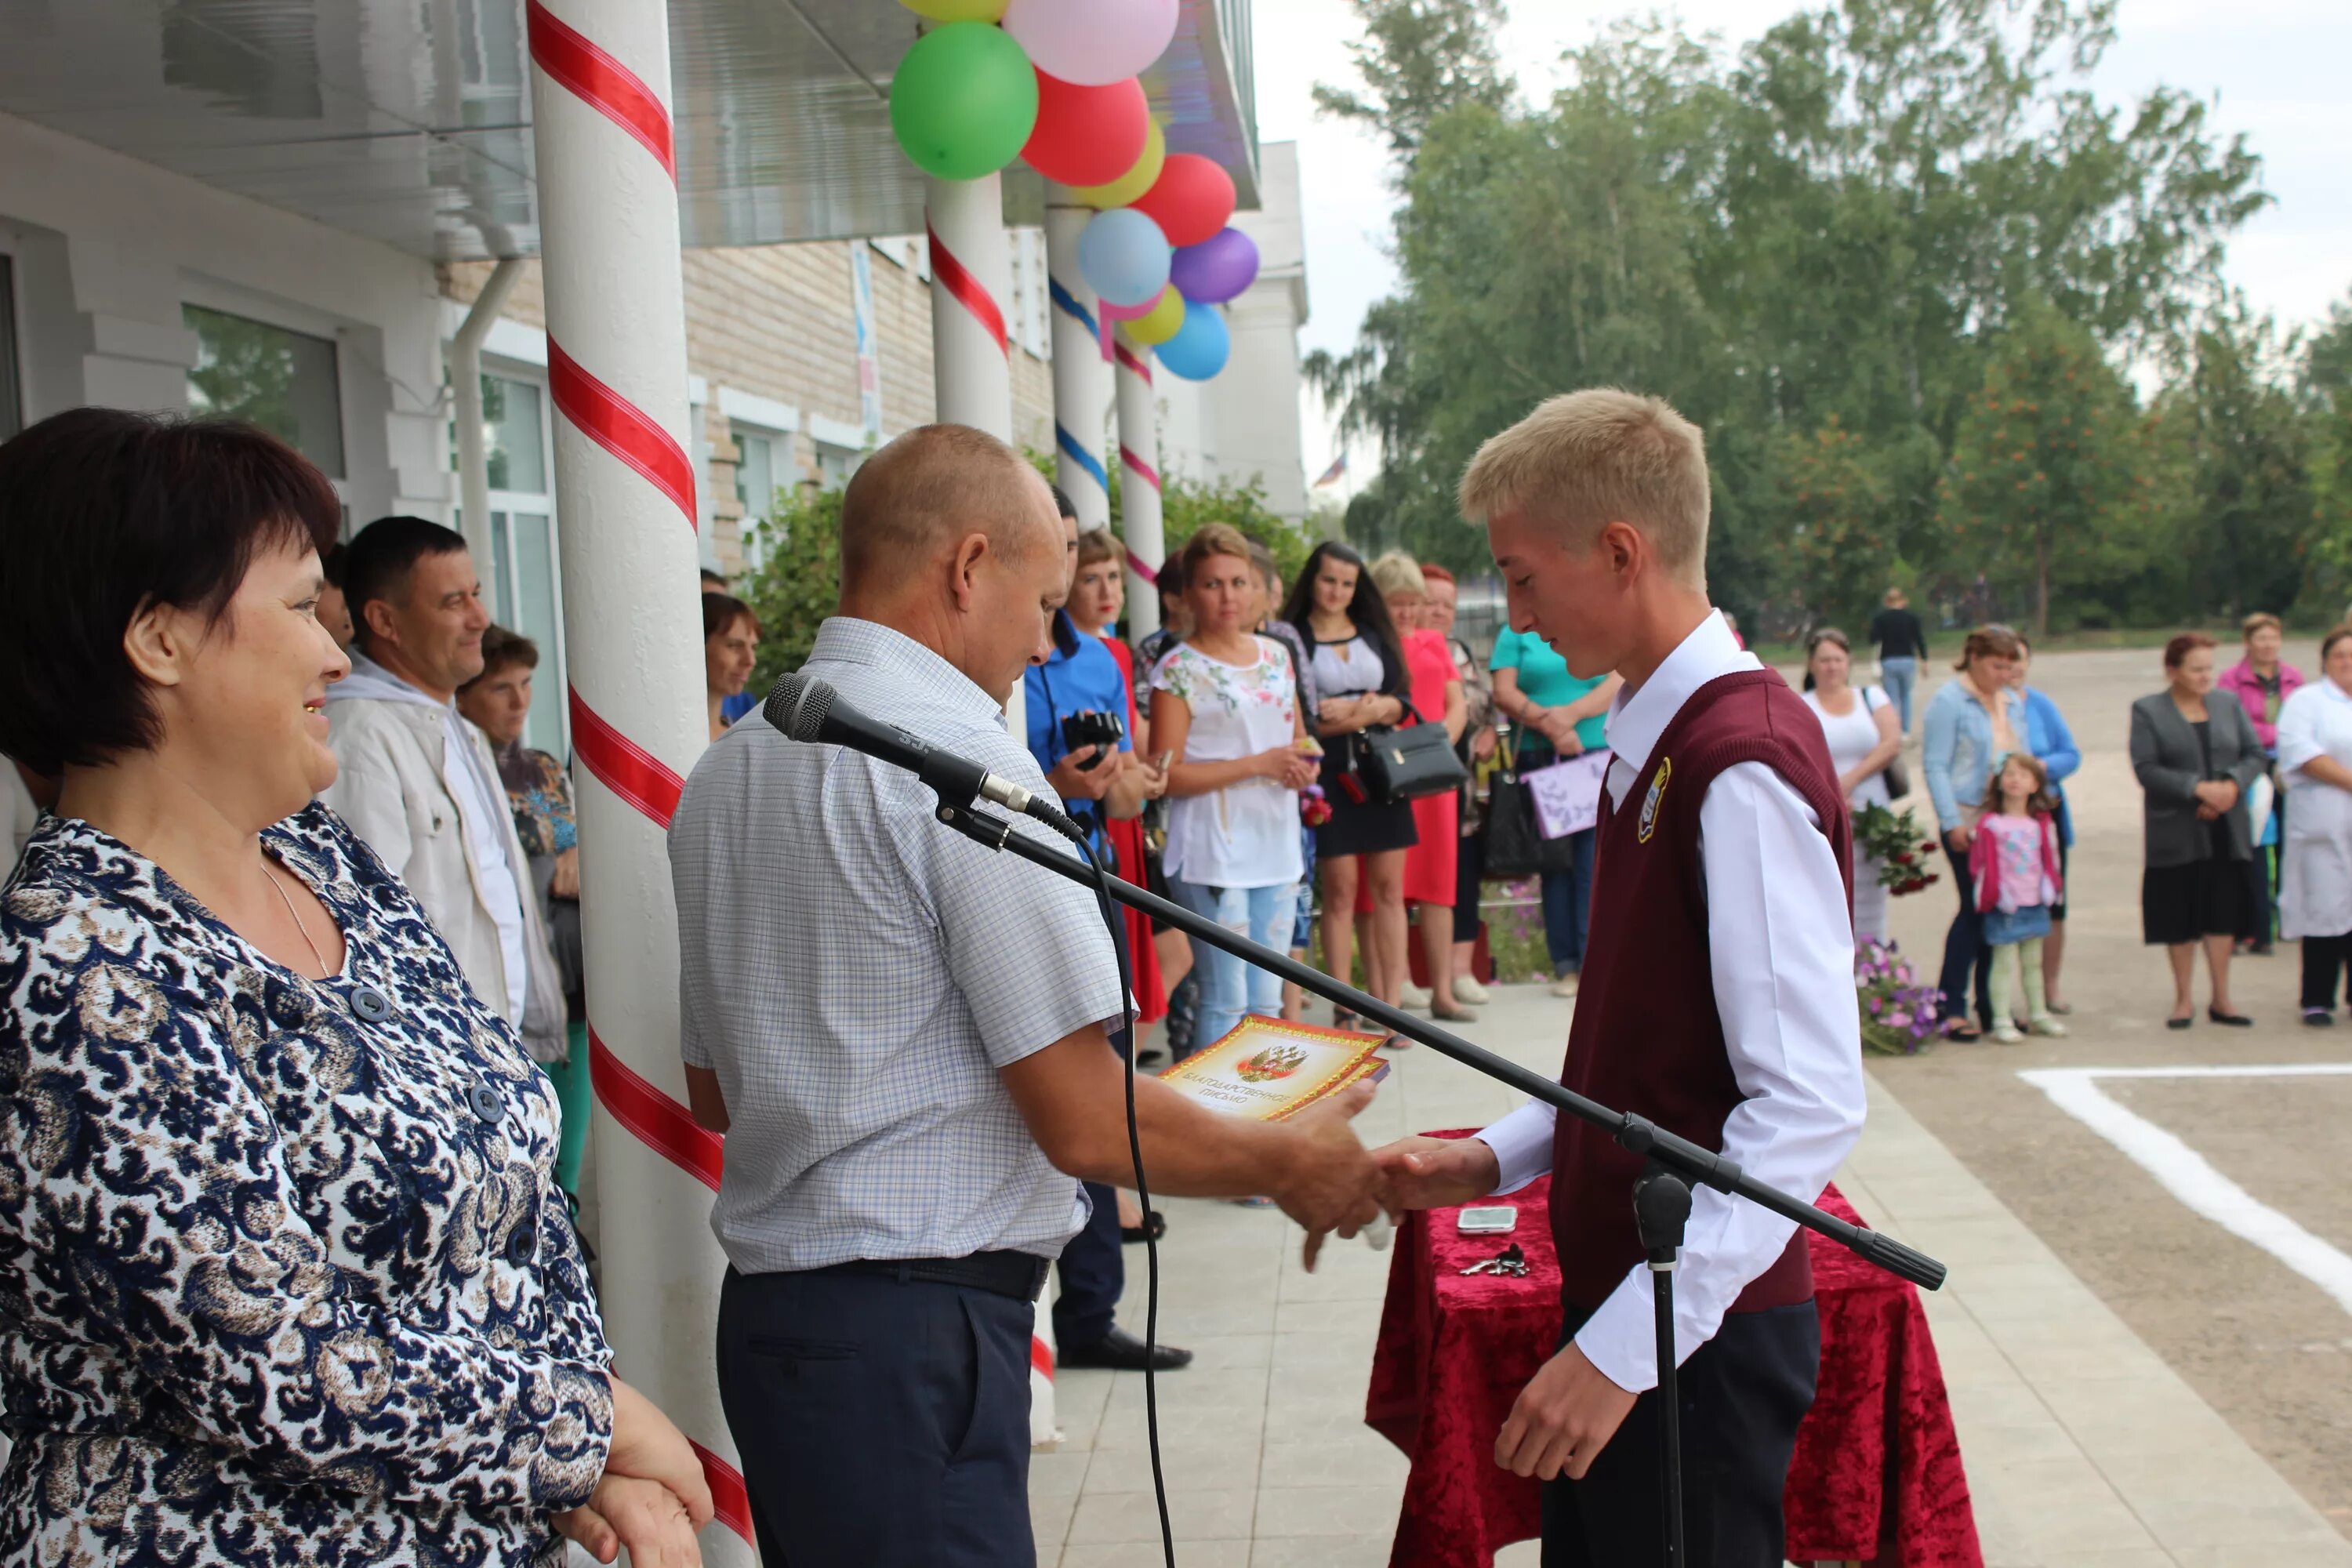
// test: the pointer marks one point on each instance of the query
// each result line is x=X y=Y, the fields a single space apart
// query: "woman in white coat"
x=1861 y=726
x=2315 y=758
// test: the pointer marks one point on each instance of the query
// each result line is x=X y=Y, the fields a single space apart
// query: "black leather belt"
x=1020 y=1275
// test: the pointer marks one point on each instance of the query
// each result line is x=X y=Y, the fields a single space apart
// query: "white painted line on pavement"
x=2189 y=1176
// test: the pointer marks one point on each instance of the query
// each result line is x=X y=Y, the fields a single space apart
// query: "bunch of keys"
x=1510 y=1261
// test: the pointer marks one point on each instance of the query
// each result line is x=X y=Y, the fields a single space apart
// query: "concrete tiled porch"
x=2083 y=1449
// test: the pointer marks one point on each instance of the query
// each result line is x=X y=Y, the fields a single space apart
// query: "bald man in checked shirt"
x=905 y=1039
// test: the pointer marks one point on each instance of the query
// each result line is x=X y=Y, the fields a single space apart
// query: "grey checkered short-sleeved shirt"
x=857 y=973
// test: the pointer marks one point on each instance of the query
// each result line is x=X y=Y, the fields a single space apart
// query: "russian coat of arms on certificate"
x=1269 y=1070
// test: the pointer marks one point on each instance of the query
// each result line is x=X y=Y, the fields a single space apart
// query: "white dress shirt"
x=1780 y=945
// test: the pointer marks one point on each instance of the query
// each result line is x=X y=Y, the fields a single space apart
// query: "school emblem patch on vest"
x=1649 y=823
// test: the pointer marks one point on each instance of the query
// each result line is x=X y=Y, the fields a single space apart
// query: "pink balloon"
x=1093 y=43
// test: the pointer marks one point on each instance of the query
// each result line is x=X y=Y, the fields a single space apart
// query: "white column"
x=1082 y=378
x=618 y=377
x=972 y=279
x=971 y=368
x=1139 y=485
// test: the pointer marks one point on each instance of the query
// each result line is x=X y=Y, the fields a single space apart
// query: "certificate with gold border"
x=1268 y=1070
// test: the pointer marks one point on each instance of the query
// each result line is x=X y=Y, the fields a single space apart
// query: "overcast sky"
x=2271 y=68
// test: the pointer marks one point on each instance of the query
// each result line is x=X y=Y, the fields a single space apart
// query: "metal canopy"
x=408 y=120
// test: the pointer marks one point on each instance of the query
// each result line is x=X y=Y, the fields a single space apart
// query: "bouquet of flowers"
x=1892 y=840
x=1898 y=1014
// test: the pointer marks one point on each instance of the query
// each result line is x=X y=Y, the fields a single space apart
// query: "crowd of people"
x=275 y=804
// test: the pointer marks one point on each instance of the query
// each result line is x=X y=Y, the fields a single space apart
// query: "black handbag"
x=1516 y=845
x=1896 y=775
x=1400 y=764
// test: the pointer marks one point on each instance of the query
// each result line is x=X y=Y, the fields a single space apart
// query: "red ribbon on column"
x=599 y=413
x=968 y=291
x=1143 y=470
x=625 y=768
x=1135 y=363
x=604 y=83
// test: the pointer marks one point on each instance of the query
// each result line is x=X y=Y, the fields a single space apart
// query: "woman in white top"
x=2315 y=758
x=1865 y=735
x=1224 y=701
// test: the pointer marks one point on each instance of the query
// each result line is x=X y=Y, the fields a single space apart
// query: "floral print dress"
x=283 y=1275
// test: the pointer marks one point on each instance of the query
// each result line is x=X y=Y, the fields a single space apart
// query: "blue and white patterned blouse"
x=284 y=1275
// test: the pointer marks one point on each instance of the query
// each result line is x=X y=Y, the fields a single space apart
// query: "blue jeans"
x=1567 y=905
x=1900 y=677
x=1231 y=986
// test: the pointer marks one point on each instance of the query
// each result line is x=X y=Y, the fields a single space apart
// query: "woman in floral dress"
x=284 y=1277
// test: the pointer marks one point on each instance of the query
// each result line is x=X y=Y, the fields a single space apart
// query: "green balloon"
x=964 y=100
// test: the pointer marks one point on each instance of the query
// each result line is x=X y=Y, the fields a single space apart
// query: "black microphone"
x=812 y=713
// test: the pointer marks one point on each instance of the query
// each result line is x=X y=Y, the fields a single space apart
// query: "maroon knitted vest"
x=1646 y=1037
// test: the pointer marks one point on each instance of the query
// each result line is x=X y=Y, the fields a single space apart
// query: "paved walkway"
x=2083 y=1449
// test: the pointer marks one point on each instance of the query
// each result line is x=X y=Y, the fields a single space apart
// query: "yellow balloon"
x=1123 y=191
x=958 y=10
x=1160 y=322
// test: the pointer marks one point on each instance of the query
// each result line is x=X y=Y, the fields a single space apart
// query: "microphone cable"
x=1041 y=812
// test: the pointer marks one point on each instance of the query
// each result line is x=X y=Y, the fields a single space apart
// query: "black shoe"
x=1119 y=1351
x=2234 y=1020
x=2179 y=1023
x=2317 y=1018
x=1154 y=1226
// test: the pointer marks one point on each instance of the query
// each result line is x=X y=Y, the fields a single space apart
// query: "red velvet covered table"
x=1877 y=1475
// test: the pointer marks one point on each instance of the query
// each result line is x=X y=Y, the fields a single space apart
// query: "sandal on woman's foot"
x=2179 y=1023
x=2234 y=1020
x=2062 y=1009
x=1454 y=1016
x=1154 y=1226
x=1965 y=1034
x=1343 y=1019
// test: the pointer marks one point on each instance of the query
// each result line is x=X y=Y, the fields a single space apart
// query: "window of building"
x=281 y=380
x=833 y=466
x=521 y=583
x=763 y=461
x=11 y=397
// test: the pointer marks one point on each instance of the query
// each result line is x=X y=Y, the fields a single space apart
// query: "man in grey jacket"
x=418 y=782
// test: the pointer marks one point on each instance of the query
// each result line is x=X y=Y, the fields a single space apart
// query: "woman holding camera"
x=1225 y=702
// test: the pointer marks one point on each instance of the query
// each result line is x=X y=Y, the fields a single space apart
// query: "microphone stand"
x=1673 y=1166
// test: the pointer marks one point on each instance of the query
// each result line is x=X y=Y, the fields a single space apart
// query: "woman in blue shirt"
x=1972 y=723
x=2047 y=737
x=1559 y=715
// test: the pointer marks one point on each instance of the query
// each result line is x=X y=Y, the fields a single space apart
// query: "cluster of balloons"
x=1053 y=82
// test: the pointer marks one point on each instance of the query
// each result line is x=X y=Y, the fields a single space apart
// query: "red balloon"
x=1088 y=136
x=1194 y=199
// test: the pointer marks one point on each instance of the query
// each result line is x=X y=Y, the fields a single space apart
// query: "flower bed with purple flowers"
x=1898 y=1014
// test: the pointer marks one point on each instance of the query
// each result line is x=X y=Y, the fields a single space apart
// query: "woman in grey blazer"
x=2196 y=754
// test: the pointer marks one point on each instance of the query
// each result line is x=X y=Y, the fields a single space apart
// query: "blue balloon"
x=1200 y=346
x=1125 y=258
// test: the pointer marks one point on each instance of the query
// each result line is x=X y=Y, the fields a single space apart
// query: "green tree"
x=1418 y=58
x=2042 y=460
x=798 y=582
x=1827 y=502
x=2248 y=527
x=2324 y=383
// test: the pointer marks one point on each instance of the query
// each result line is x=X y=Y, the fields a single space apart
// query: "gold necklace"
x=295 y=915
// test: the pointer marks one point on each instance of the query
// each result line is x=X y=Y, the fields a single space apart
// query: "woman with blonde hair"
x=1225 y=702
x=1436 y=691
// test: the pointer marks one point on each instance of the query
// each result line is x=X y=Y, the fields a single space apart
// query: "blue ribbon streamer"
x=1080 y=456
x=1066 y=301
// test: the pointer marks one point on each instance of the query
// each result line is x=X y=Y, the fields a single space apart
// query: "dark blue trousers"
x=1094 y=1266
x=1743 y=1394
x=1966 y=951
x=882 y=1424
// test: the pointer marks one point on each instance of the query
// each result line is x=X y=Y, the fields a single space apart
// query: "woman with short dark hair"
x=285 y=1265
x=538 y=794
x=2197 y=754
x=730 y=650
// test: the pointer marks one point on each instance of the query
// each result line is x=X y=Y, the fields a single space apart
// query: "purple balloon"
x=1216 y=269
